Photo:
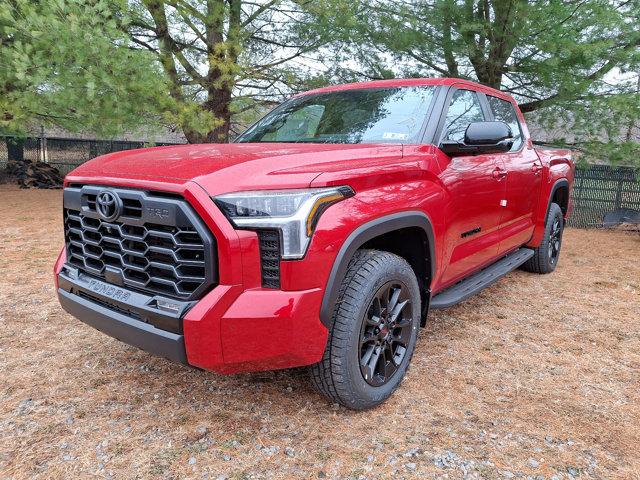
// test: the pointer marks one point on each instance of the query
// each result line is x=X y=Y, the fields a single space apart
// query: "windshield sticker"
x=395 y=136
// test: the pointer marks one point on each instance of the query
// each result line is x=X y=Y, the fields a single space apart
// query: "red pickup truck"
x=322 y=236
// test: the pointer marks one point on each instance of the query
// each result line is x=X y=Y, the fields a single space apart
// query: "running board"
x=476 y=282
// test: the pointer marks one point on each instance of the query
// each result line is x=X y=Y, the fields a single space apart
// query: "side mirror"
x=481 y=137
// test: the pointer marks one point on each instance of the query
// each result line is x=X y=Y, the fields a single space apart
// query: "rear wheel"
x=547 y=254
x=373 y=334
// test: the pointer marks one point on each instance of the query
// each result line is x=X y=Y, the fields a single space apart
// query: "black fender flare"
x=359 y=237
x=563 y=182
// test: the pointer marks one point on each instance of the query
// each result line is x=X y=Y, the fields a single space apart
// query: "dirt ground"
x=536 y=377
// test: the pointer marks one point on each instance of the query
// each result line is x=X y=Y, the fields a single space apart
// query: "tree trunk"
x=218 y=103
x=221 y=56
x=193 y=136
x=488 y=76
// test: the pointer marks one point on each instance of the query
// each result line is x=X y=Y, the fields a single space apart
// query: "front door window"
x=464 y=109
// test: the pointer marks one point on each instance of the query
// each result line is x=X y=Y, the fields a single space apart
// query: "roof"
x=409 y=82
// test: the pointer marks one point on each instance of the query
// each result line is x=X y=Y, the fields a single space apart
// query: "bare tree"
x=220 y=56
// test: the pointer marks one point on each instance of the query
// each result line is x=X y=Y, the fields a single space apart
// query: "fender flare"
x=359 y=237
x=563 y=182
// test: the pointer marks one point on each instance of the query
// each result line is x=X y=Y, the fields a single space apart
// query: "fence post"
x=618 y=203
x=44 y=154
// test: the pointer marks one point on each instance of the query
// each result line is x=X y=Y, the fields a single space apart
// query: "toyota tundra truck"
x=320 y=237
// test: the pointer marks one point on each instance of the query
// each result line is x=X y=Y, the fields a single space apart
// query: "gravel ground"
x=536 y=377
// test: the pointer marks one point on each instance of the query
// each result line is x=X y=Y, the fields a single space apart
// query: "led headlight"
x=294 y=213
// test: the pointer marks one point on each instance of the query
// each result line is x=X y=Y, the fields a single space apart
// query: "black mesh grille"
x=270 y=258
x=170 y=255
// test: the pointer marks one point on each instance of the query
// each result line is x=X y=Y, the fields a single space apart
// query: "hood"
x=222 y=168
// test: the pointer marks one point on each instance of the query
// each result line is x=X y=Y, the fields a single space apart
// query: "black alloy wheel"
x=373 y=332
x=385 y=333
x=555 y=237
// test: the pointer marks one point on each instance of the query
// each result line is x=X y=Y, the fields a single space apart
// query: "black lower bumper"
x=129 y=330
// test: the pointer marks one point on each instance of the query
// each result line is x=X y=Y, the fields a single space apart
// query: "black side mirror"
x=481 y=137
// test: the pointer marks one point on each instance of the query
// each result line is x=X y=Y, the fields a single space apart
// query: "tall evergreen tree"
x=67 y=63
x=568 y=61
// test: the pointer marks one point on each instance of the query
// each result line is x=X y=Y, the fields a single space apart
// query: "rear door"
x=523 y=181
x=473 y=209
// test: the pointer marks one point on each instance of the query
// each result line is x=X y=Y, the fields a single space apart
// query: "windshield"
x=387 y=115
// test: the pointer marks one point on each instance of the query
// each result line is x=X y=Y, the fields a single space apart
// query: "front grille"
x=157 y=245
x=270 y=258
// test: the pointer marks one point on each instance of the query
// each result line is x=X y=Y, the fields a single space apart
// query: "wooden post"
x=44 y=154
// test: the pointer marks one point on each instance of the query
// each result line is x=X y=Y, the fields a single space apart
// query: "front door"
x=476 y=187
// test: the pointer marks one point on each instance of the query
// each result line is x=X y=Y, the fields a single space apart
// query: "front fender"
x=341 y=229
x=359 y=237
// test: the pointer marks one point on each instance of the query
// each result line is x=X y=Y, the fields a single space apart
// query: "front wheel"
x=546 y=256
x=373 y=333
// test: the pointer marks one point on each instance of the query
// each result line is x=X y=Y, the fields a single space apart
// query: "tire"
x=547 y=254
x=373 y=278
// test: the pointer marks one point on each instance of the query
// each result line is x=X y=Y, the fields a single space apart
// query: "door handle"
x=499 y=173
x=536 y=167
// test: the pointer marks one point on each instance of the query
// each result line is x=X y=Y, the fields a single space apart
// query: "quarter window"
x=504 y=111
x=464 y=109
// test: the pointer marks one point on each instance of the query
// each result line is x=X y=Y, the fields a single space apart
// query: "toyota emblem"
x=108 y=205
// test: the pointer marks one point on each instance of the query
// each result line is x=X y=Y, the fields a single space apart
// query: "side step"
x=476 y=282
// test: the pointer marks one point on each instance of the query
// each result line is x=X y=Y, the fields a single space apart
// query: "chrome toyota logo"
x=108 y=205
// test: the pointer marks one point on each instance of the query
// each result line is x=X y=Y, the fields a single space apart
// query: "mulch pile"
x=34 y=174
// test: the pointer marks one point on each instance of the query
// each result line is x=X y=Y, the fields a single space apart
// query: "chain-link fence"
x=62 y=153
x=602 y=189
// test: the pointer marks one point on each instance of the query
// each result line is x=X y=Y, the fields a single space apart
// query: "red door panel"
x=476 y=186
x=473 y=213
x=523 y=190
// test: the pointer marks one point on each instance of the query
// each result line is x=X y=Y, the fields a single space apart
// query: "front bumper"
x=134 y=332
x=230 y=330
x=134 y=318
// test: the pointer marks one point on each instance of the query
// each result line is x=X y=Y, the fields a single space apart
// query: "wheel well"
x=408 y=234
x=412 y=244
x=561 y=197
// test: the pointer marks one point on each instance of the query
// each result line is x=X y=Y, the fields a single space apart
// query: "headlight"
x=294 y=213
